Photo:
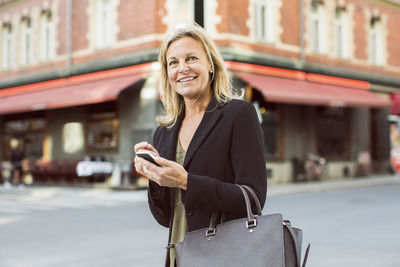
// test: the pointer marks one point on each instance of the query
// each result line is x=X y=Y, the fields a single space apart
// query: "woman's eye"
x=172 y=63
x=192 y=58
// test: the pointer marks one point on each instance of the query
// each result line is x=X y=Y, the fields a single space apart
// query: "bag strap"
x=251 y=220
x=306 y=256
x=250 y=216
x=293 y=235
x=255 y=198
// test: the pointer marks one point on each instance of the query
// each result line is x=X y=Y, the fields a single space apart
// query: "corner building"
x=79 y=78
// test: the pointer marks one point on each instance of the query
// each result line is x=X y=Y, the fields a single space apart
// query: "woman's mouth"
x=187 y=79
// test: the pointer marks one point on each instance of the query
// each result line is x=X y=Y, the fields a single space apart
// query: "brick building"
x=78 y=78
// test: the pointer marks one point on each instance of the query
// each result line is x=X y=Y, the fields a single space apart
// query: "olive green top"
x=179 y=224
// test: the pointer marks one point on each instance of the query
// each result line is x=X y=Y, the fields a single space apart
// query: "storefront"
x=101 y=116
x=98 y=117
x=306 y=114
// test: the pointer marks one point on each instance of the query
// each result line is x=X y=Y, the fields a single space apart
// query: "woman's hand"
x=147 y=146
x=170 y=174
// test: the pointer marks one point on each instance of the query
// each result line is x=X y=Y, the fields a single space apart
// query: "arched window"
x=264 y=20
x=7 y=46
x=46 y=36
x=26 y=41
x=376 y=41
x=317 y=26
x=104 y=23
x=341 y=33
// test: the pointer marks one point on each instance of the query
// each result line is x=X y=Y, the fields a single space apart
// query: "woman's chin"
x=190 y=93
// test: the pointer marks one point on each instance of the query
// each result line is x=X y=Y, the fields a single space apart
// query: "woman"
x=207 y=141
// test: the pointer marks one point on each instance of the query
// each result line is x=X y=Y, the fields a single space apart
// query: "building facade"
x=79 y=78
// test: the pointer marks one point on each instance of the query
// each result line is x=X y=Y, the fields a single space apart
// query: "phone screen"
x=147 y=157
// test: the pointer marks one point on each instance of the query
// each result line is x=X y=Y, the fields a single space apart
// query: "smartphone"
x=147 y=156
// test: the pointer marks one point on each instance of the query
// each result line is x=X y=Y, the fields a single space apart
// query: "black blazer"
x=226 y=149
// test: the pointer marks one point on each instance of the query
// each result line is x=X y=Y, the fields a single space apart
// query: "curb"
x=344 y=183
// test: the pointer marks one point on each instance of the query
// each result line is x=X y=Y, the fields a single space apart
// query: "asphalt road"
x=77 y=227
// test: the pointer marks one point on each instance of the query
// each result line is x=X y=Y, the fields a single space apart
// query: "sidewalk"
x=344 y=183
x=273 y=190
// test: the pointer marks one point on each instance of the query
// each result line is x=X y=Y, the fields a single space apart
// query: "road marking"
x=50 y=199
x=10 y=219
x=44 y=193
x=11 y=210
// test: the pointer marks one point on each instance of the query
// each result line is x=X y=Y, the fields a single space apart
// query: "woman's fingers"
x=147 y=146
x=139 y=146
x=138 y=165
x=146 y=168
x=152 y=149
x=163 y=162
x=170 y=174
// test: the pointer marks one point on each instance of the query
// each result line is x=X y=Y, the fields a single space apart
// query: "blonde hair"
x=220 y=84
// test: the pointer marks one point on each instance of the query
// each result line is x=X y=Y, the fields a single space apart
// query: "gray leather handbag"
x=258 y=240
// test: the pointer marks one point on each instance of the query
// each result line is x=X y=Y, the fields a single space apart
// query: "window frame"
x=255 y=96
x=97 y=113
x=7 y=43
x=322 y=114
x=264 y=21
x=47 y=35
x=341 y=38
x=104 y=22
x=376 y=56
x=32 y=130
x=26 y=41
x=317 y=25
x=189 y=13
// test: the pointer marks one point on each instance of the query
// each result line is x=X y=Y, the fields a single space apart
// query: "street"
x=80 y=227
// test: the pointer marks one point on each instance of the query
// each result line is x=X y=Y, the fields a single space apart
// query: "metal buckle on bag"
x=210 y=232
x=251 y=223
x=170 y=245
x=286 y=222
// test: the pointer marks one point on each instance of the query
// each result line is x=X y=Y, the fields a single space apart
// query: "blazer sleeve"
x=159 y=196
x=248 y=163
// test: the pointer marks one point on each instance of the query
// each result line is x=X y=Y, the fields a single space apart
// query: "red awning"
x=395 y=110
x=294 y=91
x=69 y=95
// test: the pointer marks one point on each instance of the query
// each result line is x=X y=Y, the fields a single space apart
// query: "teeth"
x=186 y=80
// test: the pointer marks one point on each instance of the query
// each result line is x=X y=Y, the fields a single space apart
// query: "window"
x=46 y=36
x=264 y=20
x=183 y=12
x=332 y=132
x=376 y=41
x=102 y=129
x=30 y=130
x=7 y=47
x=104 y=23
x=26 y=42
x=103 y=132
x=317 y=25
x=341 y=33
x=270 y=125
x=270 y=119
x=73 y=137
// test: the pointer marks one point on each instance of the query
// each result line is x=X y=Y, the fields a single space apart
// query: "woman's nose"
x=183 y=67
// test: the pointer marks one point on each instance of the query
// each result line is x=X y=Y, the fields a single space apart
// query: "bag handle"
x=255 y=198
x=251 y=220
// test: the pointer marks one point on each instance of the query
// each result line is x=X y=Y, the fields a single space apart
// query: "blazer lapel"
x=210 y=118
x=171 y=140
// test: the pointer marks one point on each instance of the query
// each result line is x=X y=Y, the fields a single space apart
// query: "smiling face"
x=188 y=68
